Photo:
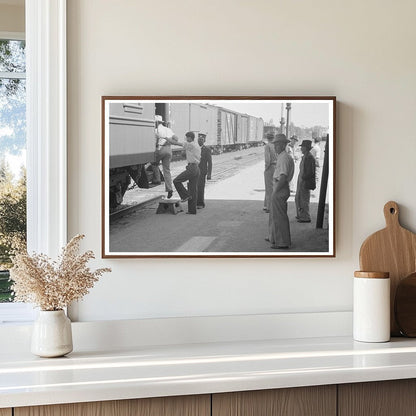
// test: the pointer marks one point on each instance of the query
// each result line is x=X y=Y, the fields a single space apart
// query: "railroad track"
x=231 y=166
x=123 y=210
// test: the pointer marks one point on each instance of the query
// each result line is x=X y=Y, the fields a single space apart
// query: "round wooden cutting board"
x=393 y=250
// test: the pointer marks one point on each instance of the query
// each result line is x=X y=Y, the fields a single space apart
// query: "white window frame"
x=15 y=312
x=46 y=134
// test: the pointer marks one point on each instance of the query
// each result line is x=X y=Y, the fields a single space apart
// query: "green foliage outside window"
x=12 y=223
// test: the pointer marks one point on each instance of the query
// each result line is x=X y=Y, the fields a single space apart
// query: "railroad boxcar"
x=195 y=117
x=131 y=145
x=224 y=129
x=184 y=117
x=250 y=130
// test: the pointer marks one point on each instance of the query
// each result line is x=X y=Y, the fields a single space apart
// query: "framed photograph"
x=218 y=176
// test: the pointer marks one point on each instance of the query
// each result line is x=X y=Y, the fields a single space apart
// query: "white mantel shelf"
x=168 y=370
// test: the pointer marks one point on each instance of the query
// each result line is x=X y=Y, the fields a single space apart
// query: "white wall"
x=361 y=51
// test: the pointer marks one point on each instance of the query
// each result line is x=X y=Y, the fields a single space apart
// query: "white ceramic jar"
x=371 y=309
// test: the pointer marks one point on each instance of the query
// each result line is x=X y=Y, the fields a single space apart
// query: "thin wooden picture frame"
x=237 y=131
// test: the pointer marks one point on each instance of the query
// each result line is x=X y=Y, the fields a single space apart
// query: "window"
x=12 y=165
x=12 y=154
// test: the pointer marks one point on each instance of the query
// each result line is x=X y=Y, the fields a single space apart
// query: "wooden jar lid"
x=372 y=275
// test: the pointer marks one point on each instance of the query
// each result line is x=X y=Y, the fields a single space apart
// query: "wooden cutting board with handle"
x=393 y=250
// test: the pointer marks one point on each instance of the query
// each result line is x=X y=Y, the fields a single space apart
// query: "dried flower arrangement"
x=53 y=285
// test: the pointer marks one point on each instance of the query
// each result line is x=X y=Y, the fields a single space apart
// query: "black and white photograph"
x=218 y=176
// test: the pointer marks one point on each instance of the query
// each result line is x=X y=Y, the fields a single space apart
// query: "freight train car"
x=238 y=131
x=225 y=130
x=184 y=117
x=195 y=117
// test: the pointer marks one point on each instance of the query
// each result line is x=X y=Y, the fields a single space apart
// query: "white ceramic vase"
x=52 y=334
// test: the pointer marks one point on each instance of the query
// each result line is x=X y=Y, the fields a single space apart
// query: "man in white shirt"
x=279 y=228
x=191 y=174
x=164 y=154
x=291 y=150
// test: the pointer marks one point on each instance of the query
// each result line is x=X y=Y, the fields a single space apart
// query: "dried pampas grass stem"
x=53 y=285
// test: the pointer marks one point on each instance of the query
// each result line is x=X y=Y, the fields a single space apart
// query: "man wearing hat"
x=205 y=170
x=306 y=182
x=292 y=146
x=269 y=166
x=279 y=228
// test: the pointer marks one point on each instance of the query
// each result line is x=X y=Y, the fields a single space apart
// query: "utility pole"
x=324 y=186
x=282 y=119
x=288 y=108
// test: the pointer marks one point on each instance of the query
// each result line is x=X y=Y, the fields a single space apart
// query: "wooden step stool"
x=172 y=206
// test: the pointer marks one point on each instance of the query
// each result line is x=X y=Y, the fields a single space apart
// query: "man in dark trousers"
x=205 y=170
x=306 y=182
x=193 y=157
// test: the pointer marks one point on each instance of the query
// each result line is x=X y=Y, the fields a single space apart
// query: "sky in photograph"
x=302 y=114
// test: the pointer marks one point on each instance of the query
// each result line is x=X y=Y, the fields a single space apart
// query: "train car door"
x=228 y=128
x=233 y=125
x=212 y=127
x=244 y=128
x=252 y=129
x=239 y=129
x=224 y=129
